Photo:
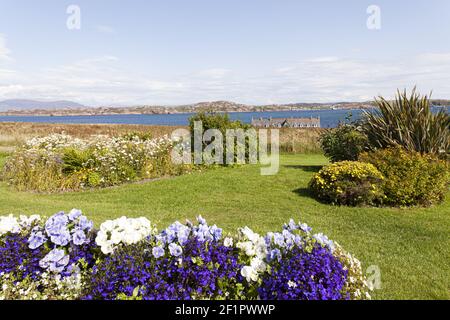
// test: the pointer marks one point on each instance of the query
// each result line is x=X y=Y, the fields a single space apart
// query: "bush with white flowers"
x=63 y=163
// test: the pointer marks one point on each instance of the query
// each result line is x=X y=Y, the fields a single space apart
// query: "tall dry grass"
x=292 y=140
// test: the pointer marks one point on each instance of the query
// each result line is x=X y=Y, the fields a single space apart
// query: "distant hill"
x=68 y=108
x=23 y=104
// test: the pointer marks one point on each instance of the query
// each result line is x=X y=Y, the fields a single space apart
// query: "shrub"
x=221 y=122
x=348 y=183
x=411 y=178
x=409 y=122
x=345 y=142
x=58 y=259
x=215 y=120
x=60 y=162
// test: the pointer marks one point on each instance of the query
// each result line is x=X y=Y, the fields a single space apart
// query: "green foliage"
x=408 y=122
x=345 y=142
x=411 y=178
x=221 y=122
x=74 y=160
x=214 y=120
x=348 y=183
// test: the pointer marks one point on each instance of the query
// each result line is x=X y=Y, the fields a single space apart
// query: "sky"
x=249 y=51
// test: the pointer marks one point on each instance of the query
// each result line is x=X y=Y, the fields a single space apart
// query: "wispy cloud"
x=105 y=80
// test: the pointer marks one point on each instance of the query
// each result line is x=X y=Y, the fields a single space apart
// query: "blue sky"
x=249 y=51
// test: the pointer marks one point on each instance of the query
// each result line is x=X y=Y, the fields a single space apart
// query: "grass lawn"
x=411 y=246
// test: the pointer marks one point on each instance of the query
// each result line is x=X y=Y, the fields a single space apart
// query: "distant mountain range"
x=67 y=108
x=23 y=104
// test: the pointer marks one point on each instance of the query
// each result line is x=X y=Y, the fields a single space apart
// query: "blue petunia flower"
x=158 y=252
x=85 y=224
x=36 y=240
x=275 y=254
x=175 y=250
x=73 y=214
x=79 y=237
x=56 y=223
x=201 y=220
x=61 y=237
x=55 y=261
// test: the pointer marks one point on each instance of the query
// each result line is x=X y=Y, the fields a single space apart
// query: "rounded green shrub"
x=348 y=183
x=410 y=177
x=345 y=142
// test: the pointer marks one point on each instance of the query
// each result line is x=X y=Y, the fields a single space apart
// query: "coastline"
x=74 y=113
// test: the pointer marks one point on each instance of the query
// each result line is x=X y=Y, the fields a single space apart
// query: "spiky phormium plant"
x=409 y=122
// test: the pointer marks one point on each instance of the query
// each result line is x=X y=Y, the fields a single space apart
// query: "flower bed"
x=60 y=162
x=64 y=257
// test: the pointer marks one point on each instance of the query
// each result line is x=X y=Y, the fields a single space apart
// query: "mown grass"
x=410 y=246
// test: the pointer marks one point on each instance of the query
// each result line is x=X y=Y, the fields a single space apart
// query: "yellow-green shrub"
x=348 y=183
x=411 y=178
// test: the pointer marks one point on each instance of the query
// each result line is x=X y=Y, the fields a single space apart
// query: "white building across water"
x=286 y=122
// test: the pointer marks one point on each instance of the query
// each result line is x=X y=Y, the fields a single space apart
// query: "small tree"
x=219 y=121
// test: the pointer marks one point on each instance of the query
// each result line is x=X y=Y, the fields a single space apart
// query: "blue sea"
x=328 y=118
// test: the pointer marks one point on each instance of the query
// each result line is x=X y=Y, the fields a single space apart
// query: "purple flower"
x=323 y=239
x=305 y=228
x=158 y=252
x=175 y=250
x=278 y=239
x=85 y=224
x=79 y=237
x=302 y=275
x=55 y=261
x=36 y=240
x=216 y=232
x=183 y=236
x=56 y=223
x=73 y=214
x=165 y=278
x=275 y=254
x=60 y=237
x=17 y=259
x=201 y=220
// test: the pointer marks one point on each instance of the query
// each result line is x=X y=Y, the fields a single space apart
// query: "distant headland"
x=68 y=108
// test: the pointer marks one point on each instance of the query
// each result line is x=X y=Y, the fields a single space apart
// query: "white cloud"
x=104 y=80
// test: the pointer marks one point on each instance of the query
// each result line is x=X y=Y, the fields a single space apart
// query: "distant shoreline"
x=85 y=113
x=187 y=110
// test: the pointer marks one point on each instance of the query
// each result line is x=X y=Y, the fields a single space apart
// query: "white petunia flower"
x=228 y=242
x=9 y=224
